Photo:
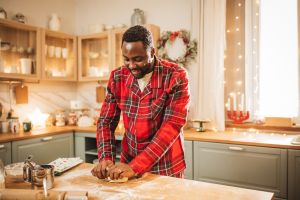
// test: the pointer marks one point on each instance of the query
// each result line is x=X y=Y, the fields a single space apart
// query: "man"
x=154 y=97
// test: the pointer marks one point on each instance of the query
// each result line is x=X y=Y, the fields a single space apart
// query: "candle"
x=234 y=102
x=229 y=104
x=249 y=105
x=242 y=103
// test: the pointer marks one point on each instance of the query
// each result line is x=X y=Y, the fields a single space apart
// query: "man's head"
x=138 y=51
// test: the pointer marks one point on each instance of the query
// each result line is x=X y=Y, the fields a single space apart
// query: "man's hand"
x=119 y=171
x=100 y=171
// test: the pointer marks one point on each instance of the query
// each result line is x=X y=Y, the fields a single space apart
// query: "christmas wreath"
x=191 y=47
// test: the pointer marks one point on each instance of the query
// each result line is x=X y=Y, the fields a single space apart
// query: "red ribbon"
x=173 y=35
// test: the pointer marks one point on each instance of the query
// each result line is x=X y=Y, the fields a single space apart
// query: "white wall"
x=38 y=12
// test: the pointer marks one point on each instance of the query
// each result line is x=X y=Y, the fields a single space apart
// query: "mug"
x=13 y=69
x=2 y=65
x=21 y=49
x=29 y=50
x=15 y=127
x=65 y=52
x=14 y=48
x=26 y=65
x=93 y=71
x=27 y=126
x=58 y=52
x=4 y=126
x=51 y=51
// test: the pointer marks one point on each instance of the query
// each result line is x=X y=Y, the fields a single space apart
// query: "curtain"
x=208 y=26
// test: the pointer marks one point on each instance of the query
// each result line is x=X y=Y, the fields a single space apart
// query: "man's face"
x=137 y=59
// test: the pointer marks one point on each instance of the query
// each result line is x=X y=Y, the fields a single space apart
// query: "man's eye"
x=138 y=60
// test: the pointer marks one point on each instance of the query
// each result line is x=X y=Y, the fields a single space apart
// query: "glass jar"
x=12 y=119
x=86 y=112
x=96 y=115
x=60 y=118
x=72 y=119
x=258 y=118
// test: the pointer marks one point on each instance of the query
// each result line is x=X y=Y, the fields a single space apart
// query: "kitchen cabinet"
x=59 y=56
x=44 y=149
x=188 y=156
x=117 y=34
x=5 y=152
x=86 y=146
x=258 y=168
x=20 y=50
x=94 y=56
x=294 y=174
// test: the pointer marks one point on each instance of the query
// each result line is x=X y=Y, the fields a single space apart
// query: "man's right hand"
x=100 y=170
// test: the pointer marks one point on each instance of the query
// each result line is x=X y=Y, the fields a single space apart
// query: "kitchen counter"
x=149 y=186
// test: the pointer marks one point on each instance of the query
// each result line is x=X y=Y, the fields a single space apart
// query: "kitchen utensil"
x=4 y=126
x=120 y=25
x=72 y=119
x=21 y=49
x=96 y=28
x=26 y=65
x=3 y=14
x=15 y=127
x=93 y=71
x=13 y=69
x=85 y=121
x=4 y=46
x=29 y=50
x=57 y=52
x=64 y=164
x=20 y=18
x=15 y=171
x=27 y=126
x=2 y=65
x=34 y=167
x=51 y=51
x=100 y=95
x=14 y=48
x=28 y=158
x=109 y=27
x=49 y=72
x=37 y=177
x=137 y=17
x=65 y=52
x=21 y=94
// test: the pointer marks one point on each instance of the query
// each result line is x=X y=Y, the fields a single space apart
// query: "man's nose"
x=131 y=65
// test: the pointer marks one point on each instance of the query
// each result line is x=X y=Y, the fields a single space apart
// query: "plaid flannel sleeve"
x=174 y=119
x=107 y=123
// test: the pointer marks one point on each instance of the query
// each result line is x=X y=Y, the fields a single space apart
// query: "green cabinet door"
x=258 y=168
x=294 y=174
x=5 y=153
x=44 y=149
x=188 y=156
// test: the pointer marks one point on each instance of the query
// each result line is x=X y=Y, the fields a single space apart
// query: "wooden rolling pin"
x=17 y=194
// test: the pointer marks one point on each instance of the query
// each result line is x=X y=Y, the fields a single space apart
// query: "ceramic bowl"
x=15 y=171
x=120 y=25
x=4 y=46
x=109 y=27
x=93 y=54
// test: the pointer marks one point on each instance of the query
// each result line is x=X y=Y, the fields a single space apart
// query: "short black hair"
x=139 y=33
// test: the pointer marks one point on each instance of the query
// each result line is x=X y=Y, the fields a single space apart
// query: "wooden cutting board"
x=100 y=94
x=21 y=95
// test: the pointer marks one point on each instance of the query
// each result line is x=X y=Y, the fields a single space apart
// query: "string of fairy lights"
x=238 y=72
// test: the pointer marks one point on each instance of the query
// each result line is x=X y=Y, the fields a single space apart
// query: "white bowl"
x=120 y=25
x=93 y=54
x=109 y=27
x=96 y=28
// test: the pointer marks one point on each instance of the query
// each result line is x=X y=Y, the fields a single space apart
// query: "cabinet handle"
x=1 y=146
x=46 y=138
x=237 y=148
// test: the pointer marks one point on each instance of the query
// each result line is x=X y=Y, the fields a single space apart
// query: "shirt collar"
x=156 y=79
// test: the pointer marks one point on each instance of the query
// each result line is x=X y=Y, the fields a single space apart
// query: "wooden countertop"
x=253 y=138
x=149 y=186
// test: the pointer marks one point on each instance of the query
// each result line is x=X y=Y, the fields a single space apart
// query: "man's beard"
x=144 y=70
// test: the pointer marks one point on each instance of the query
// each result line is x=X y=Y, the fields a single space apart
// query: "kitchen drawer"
x=188 y=156
x=5 y=153
x=258 y=168
x=44 y=149
x=294 y=174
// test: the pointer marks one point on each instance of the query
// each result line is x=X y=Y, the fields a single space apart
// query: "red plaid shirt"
x=153 y=141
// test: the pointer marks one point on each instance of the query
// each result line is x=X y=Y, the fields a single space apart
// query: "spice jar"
x=60 y=118
x=96 y=115
x=72 y=118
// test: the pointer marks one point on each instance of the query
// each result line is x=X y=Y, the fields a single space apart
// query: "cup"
x=29 y=50
x=51 y=51
x=105 y=73
x=4 y=126
x=2 y=65
x=65 y=52
x=14 y=48
x=49 y=72
x=46 y=47
x=15 y=127
x=27 y=126
x=26 y=65
x=13 y=69
x=57 y=52
x=93 y=71
x=21 y=49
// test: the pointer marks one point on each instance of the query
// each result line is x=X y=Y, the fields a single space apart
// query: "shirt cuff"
x=134 y=167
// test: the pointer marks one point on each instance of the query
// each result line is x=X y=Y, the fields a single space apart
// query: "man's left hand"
x=120 y=170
